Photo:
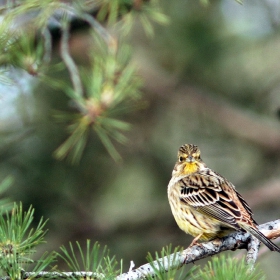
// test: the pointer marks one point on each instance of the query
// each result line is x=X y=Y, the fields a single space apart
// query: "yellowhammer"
x=205 y=204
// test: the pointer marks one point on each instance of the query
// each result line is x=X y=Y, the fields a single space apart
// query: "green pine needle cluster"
x=18 y=247
x=160 y=272
x=109 y=87
x=226 y=267
x=103 y=90
x=89 y=259
x=19 y=240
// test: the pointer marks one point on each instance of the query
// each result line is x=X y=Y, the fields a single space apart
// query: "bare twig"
x=95 y=25
x=46 y=35
x=75 y=13
x=69 y=62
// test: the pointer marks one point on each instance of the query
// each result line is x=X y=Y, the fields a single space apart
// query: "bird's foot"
x=195 y=241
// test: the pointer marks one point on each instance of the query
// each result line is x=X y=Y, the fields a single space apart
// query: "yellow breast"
x=190 y=167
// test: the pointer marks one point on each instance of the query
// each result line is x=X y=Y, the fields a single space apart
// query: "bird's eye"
x=181 y=158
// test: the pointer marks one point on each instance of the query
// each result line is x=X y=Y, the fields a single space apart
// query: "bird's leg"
x=194 y=242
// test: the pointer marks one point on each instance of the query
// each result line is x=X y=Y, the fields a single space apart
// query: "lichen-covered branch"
x=237 y=240
x=252 y=253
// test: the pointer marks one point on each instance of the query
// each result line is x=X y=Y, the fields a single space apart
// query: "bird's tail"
x=255 y=232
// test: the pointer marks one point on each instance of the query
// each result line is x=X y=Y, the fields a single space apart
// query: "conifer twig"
x=59 y=275
x=46 y=35
x=74 y=13
x=69 y=62
x=252 y=254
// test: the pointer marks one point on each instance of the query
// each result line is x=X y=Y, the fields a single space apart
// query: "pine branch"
x=69 y=62
x=59 y=275
x=237 y=240
x=253 y=250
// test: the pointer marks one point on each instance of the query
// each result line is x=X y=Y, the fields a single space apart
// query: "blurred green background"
x=211 y=77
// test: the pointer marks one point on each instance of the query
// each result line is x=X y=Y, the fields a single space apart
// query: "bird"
x=205 y=204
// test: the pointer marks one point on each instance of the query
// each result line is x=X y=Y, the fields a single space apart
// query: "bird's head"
x=189 y=160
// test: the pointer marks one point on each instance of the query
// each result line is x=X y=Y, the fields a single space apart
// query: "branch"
x=237 y=240
x=69 y=62
x=60 y=275
x=47 y=37
x=74 y=14
x=252 y=253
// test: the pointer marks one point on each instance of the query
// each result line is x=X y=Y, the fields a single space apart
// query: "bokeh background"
x=211 y=77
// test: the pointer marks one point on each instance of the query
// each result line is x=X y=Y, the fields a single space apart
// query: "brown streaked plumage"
x=205 y=204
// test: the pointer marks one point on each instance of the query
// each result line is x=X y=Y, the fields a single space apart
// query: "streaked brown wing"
x=212 y=195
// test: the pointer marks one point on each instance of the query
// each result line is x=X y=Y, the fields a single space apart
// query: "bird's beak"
x=190 y=159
